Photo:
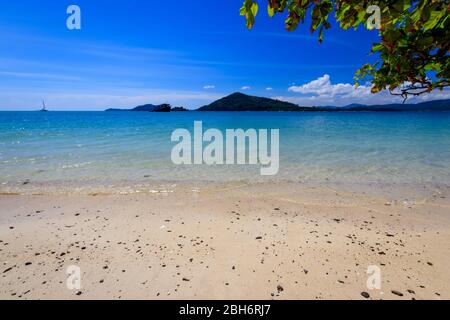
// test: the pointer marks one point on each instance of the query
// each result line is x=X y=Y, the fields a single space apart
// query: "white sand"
x=250 y=242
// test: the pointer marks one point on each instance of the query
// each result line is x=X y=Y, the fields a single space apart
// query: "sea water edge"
x=128 y=152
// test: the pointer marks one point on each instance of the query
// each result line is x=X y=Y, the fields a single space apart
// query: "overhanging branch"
x=417 y=90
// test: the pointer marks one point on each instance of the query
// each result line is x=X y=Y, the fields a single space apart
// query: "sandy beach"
x=260 y=241
x=225 y=156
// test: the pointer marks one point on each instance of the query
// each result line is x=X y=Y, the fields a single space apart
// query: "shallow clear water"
x=100 y=148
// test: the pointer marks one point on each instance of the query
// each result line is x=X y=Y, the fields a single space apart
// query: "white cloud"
x=209 y=87
x=246 y=88
x=269 y=89
x=322 y=92
x=323 y=87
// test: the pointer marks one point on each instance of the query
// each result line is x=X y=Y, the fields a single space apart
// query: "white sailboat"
x=44 y=109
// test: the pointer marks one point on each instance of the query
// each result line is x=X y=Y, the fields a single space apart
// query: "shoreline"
x=400 y=192
x=229 y=243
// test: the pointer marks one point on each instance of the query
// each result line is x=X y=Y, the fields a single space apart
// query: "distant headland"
x=239 y=102
x=165 y=107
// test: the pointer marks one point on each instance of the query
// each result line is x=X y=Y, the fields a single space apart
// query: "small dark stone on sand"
x=7 y=270
x=280 y=289
x=397 y=293
x=258 y=238
x=186 y=279
x=365 y=295
x=28 y=263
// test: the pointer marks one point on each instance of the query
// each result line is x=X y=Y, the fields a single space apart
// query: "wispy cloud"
x=35 y=75
x=94 y=101
x=245 y=88
x=209 y=87
x=295 y=35
x=68 y=53
x=269 y=89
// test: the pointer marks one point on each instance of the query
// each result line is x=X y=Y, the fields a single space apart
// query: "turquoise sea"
x=41 y=150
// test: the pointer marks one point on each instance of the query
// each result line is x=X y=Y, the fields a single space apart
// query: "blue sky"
x=187 y=53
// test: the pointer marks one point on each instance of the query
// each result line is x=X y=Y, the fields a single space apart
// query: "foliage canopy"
x=414 y=48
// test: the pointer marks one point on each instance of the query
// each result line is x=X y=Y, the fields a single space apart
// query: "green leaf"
x=435 y=17
x=254 y=9
x=414 y=38
x=249 y=9
x=321 y=35
x=270 y=11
